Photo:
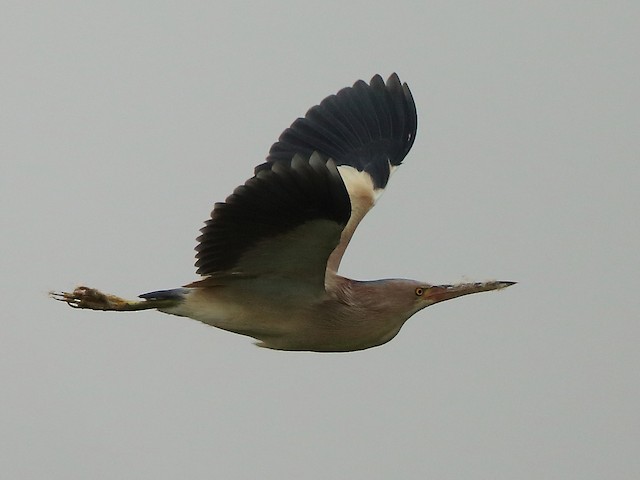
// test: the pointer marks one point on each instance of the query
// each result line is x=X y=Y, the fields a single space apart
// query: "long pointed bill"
x=440 y=293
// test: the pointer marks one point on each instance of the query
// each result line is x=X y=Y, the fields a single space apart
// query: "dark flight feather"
x=366 y=126
x=277 y=200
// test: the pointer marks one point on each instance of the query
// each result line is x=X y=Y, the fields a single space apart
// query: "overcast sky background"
x=121 y=124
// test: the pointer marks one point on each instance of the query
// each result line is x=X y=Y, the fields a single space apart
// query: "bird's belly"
x=256 y=319
x=327 y=333
x=316 y=327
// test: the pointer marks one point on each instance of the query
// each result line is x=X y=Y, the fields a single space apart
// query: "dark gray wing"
x=283 y=222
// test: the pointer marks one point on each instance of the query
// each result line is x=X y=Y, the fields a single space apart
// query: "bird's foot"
x=90 y=298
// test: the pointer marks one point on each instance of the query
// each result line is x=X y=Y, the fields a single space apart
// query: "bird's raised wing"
x=367 y=130
x=295 y=217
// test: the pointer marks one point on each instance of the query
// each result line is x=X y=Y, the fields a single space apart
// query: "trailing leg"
x=92 y=299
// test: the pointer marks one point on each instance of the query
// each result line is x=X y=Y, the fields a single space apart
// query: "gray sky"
x=122 y=124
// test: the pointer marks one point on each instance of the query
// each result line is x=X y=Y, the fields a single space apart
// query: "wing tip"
x=378 y=117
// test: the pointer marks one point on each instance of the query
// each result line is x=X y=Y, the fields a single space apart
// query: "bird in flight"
x=269 y=254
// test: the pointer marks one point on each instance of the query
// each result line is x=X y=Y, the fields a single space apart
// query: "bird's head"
x=381 y=307
x=402 y=298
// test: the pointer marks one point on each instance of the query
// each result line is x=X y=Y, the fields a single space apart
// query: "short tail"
x=173 y=294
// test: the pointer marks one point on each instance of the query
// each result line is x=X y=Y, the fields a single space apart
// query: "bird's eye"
x=419 y=291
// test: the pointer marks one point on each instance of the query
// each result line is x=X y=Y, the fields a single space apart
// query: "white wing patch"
x=363 y=197
x=360 y=184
